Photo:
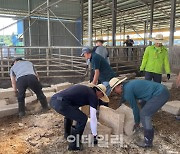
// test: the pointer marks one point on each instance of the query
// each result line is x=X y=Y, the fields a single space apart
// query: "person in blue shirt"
x=154 y=94
x=102 y=69
x=67 y=103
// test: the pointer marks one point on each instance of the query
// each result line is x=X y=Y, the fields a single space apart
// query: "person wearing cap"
x=67 y=103
x=101 y=50
x=23 y=76
x=155 y=95
x=129 y=51
x=155 y=60
x=103 y=71
x=129 y=42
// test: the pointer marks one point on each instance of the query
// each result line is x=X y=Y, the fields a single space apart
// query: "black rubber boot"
x=67 y=127
x=148 y=139
x=75 y=144
x=21 y=109
x=44 y=104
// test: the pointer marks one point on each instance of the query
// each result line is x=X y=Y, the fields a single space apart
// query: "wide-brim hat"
x=116 y=81
x=102 y=88
x=100 y=40
x=158 y=39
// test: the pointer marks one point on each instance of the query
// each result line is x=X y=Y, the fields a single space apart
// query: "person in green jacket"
x=155 y=60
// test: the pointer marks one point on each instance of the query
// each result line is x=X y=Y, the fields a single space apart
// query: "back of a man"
x=22 y=68
x=101 y=50
x=106 y=72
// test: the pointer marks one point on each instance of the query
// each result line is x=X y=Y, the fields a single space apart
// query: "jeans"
x=153 y=76
x=151 y=107
x=108 y=88
x=71 y=112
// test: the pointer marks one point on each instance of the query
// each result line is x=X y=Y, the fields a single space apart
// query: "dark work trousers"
x=71 y=112
x=29 y=81
x=152 y=106
x=153 y=76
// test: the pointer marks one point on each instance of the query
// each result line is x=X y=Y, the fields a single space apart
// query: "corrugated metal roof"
x=132 y=13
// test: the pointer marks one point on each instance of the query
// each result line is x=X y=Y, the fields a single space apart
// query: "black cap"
x=16 y=59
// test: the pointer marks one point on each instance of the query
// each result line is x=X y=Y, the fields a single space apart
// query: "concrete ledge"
x=168 y=84
x=61 y=86
x=172 y=107
x=128 y=120
x=112 y=119
x=101 y=129
x=48 y=89
x=49 y=95
x=9 y=110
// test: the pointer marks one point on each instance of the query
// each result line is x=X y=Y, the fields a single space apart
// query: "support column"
x=120 y=30
x=90 y=23
x=108 y=36
x=172 y=22
x=151 y=21
x=48 y=23
x=145 y=25
x=82 y=21
x=124 y=33
x=29 y=22
x=114 y=13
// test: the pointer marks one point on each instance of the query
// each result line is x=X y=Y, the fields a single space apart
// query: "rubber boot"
x=67 y=127
x=44 y=104
x=75 y=144
x=21 y=109
x=148 y=139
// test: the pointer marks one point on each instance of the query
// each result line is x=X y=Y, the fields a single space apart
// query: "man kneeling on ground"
x=67 y=103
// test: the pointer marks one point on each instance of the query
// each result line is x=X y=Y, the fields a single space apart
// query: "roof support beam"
x=90 y=23
x=29 y=22
x=151 y=20
x=114 y=13
x=48 y=25
x=172 y=22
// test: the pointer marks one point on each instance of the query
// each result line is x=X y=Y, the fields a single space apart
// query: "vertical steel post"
x=172 y=22
x=114 y=13
x=48 y=24
x=82 y=22
x=90 y=23
x=29 y=22
x=145 y=32
x=151 y=21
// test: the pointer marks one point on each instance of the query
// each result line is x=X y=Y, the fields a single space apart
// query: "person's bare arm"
x=96 y=76
x=13 y=83
x=178 y=81
x=36 y=73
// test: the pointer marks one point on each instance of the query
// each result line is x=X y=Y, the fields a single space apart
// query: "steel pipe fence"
x=66 y=61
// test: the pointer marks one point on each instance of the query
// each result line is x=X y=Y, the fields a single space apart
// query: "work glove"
x=168 y=76
x=136 y=127
x=141 y=73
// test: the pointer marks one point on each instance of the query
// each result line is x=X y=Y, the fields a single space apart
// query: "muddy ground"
x=42 y=133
